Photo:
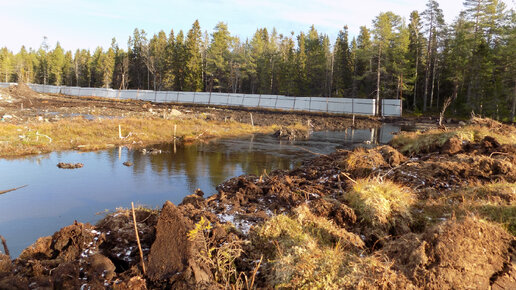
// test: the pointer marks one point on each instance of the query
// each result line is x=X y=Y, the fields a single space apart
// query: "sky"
x=91 y=23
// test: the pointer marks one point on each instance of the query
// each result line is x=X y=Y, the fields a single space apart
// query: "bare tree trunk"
x=428 y=61
x=513 y=111
x=378 y=81
x=433 y=83
x=415 y=80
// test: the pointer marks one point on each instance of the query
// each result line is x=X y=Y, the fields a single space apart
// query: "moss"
x=380 y=202
x=504 y=215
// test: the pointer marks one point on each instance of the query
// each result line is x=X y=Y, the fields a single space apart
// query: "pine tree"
x=193 y=68
x=56 y=65
x=415 y=49
x=383 y=32
x=218 y=58
x=343 y=65
x=434 y=20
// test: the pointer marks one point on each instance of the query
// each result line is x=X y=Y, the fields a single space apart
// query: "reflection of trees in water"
x=215 y=161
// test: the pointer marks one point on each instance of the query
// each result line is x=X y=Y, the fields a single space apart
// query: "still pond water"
x=55 y=197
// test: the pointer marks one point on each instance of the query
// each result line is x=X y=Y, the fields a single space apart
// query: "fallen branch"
x=12 y=189
x=348 y=177
x=138 y=239
x=4 y=243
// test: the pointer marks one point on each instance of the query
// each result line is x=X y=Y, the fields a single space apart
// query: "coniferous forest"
x=418 y=58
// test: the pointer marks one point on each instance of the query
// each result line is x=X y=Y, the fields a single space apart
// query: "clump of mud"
x=465 y=254
x=291 y=133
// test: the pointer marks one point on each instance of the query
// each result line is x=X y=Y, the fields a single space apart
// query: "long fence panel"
x=389 y=107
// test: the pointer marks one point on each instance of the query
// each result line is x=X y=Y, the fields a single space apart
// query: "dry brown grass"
x=81 y=134
x=313 y=253
x=417 y=142
x=380 y=202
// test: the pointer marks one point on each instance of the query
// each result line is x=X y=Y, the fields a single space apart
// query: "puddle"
x=55 y=197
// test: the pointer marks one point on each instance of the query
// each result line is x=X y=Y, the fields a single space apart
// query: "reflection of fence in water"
x=390 y=107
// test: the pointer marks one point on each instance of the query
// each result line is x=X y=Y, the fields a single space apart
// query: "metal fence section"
x=391 y=108
x=367 y=107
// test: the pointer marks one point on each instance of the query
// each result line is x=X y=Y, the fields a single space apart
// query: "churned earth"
x=433 y=210
x=33 y=123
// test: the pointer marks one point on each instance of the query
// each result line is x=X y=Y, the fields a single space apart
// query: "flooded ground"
x=56 y=197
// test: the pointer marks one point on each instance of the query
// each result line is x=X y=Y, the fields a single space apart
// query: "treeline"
x=421 y=60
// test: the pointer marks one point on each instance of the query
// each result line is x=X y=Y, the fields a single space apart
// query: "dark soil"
x=42 y=107
x=63 y=165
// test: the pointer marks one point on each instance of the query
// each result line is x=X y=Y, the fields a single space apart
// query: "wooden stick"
x=138 y=239
x=252 y=121
x=4 y=243
x=119 y=131
x=348 y=177
x=175 y=129
x=12 y=189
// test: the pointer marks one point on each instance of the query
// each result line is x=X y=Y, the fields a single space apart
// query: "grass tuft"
x=306 y=258
x=380 y=202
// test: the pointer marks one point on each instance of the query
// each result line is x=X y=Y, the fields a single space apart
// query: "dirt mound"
x=452 y=146
x=19 y=93
x=172 y=255
x=65 y=245
x=454 y=255
x=290 y=133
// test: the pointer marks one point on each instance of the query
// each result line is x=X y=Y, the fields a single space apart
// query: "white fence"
x=390 y=107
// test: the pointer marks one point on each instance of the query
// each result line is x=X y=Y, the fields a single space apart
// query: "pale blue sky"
x=90 y=23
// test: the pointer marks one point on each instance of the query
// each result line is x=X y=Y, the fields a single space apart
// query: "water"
x=55 y=197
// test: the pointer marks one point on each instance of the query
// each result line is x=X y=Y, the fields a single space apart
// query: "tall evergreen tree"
x=193 y=67
x=343 y=65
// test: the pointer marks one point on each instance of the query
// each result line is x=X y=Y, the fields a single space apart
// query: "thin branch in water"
x=4 y=243
x=12 y=189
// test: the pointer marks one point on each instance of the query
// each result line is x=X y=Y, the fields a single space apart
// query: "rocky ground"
x=438 y=214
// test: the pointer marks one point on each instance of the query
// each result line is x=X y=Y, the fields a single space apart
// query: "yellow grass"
x=306 y=258
x=416 y=142
x=81 y=134
x=380 y=202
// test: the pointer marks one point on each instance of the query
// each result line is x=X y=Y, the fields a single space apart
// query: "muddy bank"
x=439 y=217
x=21 y=104
x=33 y=123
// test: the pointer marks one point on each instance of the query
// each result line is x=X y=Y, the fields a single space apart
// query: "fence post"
x=243 y=99
x=227 y=101
x=294 y=105
x=310 y=105
x=326 y=104
x=276 y=103
x=259 y=100
x=177 y=98
x=193 y=97
x=155 y=96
